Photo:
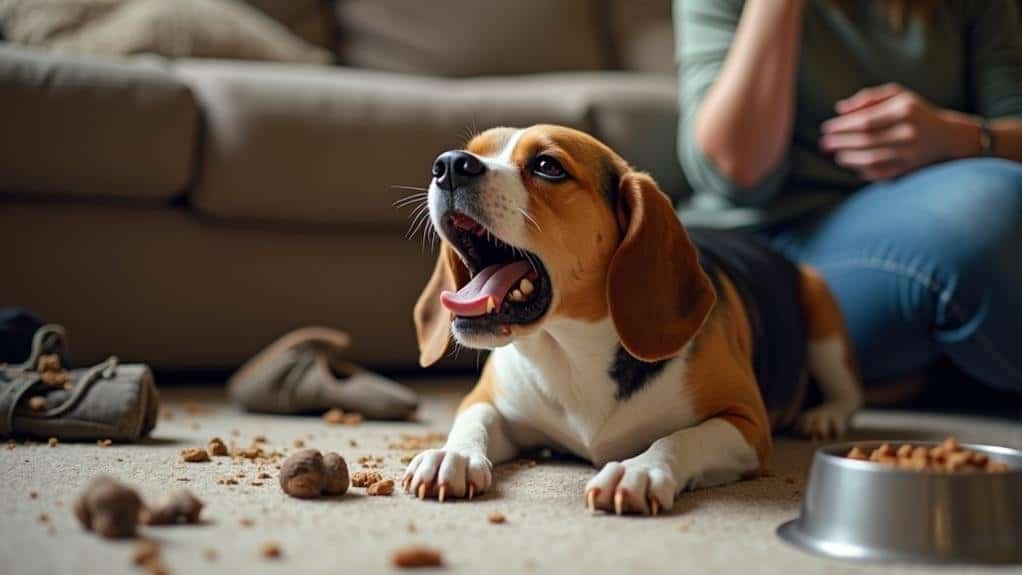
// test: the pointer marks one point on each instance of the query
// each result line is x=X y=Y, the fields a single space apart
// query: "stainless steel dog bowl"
x=866 y=511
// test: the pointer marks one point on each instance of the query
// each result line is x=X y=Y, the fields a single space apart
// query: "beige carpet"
x=723 y=530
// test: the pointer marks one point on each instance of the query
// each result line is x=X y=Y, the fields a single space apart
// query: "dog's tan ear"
x=432 y=320
x=658 y=294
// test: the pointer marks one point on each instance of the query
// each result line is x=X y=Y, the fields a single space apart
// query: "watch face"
x=986 y=140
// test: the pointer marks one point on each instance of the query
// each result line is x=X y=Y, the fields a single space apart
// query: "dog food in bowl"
x=947 y=457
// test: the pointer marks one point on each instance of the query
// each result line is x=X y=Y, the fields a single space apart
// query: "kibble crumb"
x=145 y=551
x=334 y=416
x=365 y=478
x=246 y=522
x=37 y=403
x=496 y=518
x=417 y=556
x=105 y=442
x=43 y=518
x=52 y=442
x=217 y=447
x=383 y=487
x=33 y=494
x=299 y=444
x=250 y=452
x=271 y=550
x=194 y=455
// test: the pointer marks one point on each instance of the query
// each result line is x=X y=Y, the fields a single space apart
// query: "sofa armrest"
x=94 y=127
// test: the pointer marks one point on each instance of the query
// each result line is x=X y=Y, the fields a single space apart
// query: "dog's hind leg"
x=831 y=361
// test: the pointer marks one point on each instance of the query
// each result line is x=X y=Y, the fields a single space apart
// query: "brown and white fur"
x=623 y=274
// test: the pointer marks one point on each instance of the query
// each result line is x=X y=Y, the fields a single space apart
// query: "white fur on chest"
x=554 y=389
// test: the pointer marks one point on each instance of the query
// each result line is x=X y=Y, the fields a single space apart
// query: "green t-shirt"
x=967 y=56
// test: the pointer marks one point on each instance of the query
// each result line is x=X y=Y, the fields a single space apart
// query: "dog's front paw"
x=631 y=487
x=827 y=421
x=444 y=473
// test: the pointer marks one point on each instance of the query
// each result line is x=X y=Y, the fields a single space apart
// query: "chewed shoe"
x=42 y=398
x=302 y=372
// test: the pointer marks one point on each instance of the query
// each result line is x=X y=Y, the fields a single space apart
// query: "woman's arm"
x=745 y=122
x=738 y=68
x=886 y=131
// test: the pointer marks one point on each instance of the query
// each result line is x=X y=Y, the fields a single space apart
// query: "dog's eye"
x=548 y=168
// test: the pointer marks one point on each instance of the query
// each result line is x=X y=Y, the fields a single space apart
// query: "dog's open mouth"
x=508 y=285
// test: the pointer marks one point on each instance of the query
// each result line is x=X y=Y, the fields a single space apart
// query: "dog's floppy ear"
x=432 y=320
x=658 y=294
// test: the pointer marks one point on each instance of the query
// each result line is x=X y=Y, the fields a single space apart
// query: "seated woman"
x=881 y=142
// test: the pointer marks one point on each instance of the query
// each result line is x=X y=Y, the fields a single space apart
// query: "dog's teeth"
x=490 y=305
x=517 y=296
x=526 y=286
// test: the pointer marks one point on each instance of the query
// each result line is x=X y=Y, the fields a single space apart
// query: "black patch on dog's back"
x=631 y=374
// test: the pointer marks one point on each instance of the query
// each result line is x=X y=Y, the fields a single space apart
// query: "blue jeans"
x=926 y=265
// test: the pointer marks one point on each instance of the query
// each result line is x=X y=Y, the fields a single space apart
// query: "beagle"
x=615 y=337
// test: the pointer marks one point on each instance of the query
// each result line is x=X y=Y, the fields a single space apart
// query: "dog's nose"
x=454 y=168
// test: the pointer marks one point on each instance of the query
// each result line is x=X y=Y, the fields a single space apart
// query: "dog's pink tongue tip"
x=486 y=291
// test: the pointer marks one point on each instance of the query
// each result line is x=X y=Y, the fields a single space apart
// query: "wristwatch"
x=986 y=139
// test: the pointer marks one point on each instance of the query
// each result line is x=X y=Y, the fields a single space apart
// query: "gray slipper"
x=301 y=373
x=41 y=398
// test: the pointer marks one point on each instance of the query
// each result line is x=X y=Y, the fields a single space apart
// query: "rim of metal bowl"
x=791 y=532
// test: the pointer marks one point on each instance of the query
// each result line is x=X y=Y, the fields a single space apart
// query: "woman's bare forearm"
x=744 y=124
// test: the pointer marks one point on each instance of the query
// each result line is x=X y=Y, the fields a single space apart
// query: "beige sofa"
x=185 y=212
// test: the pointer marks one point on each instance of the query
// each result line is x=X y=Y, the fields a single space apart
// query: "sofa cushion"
x=471 y=38
x=197 y=28
x=310 y=20
x=326 y=145
x=93 y=127
x=643 y=35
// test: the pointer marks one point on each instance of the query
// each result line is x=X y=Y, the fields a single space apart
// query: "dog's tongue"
x=492 y=282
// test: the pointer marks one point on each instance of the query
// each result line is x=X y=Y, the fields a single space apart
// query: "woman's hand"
x=887 y=131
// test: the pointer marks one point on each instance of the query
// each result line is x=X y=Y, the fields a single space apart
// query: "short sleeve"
x=995 y=42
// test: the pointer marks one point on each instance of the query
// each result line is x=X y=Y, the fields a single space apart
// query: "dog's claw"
x=591 y=500
x=654 y=506
x=407 y=483
x=619 y=502
x=442 y=493
x=422 y=491
x=471 y=491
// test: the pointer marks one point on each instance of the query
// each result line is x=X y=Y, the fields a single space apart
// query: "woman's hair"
x=899 y=12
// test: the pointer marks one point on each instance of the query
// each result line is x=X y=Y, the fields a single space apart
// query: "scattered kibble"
x=179 y=506
x=271 y=550
x=365 y=478
x=217 y=447
x=417 y=556
x=194 y=455
x=496 y=518
x=334 y=416
x=109 y=508
x=382 y=487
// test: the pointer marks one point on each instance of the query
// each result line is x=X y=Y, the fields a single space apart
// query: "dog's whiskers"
x=420 y=215
x=531 y=219
x=412 y=199
x=413 y=188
